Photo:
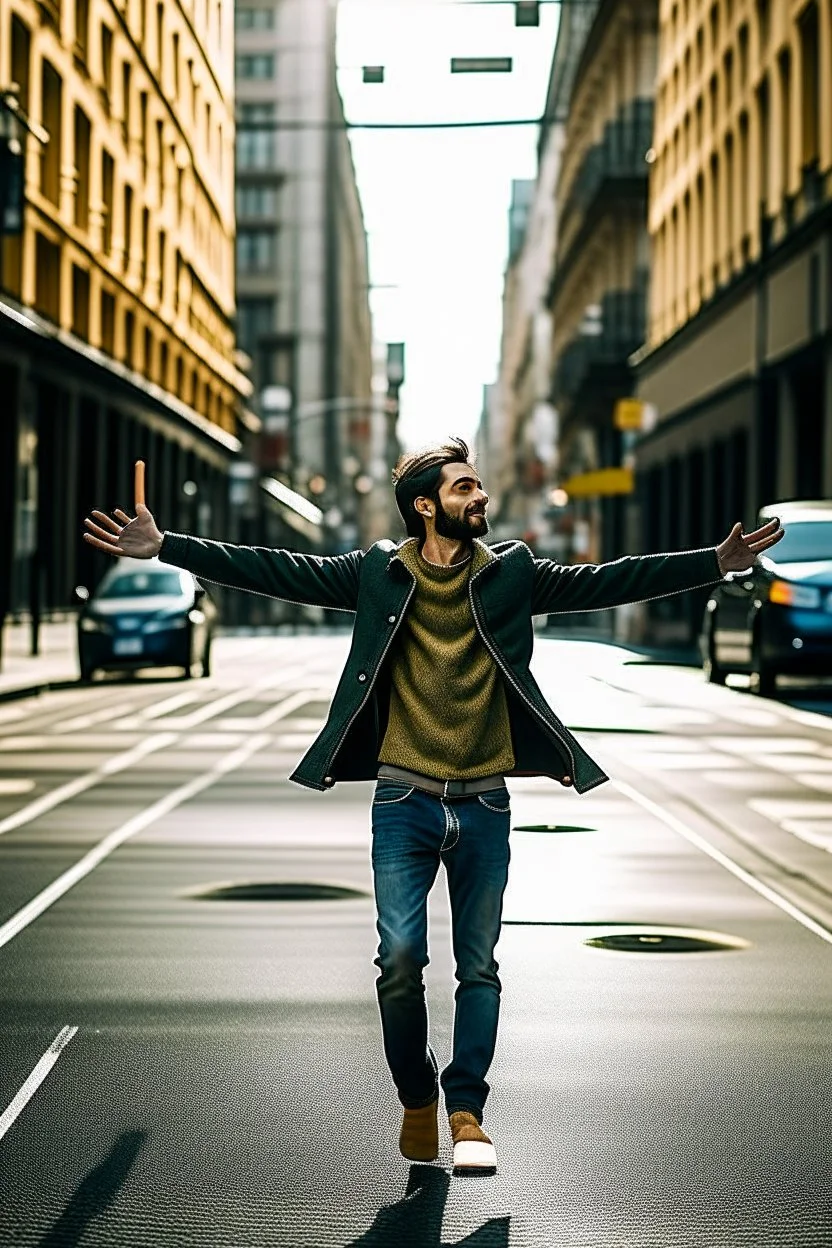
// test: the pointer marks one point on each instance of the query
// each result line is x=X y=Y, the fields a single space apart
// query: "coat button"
x=328 y=780
x=362 y=676
x=391 y=619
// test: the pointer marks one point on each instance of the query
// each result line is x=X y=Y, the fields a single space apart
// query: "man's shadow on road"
x=417 y=1218
x=96 y=1192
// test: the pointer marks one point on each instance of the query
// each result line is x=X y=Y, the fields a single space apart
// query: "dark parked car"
x=777 y=617
x=145 y=614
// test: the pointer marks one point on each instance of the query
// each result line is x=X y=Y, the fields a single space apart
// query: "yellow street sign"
x=628 y=414
x=601 y=482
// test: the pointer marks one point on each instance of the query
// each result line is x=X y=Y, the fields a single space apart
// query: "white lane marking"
x=30 y=1087
x=79 y=722
x=791 y=808
x=73 y=787
x=211 y=709
x=8 y=787
x=90 y=861
x=707 y=848
x=170 y=704
x=816 y=832
x=765 y=745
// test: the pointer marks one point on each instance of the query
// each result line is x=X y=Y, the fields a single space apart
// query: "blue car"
x=145 y=614
x=776 y=618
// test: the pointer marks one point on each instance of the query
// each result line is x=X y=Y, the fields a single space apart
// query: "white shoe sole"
x=474 y=1157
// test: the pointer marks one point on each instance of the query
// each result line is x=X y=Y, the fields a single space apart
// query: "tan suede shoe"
x=474 y=1152
x=419 y=1137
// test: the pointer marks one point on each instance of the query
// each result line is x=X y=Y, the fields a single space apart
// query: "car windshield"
x=805 y=541
x=141 y=584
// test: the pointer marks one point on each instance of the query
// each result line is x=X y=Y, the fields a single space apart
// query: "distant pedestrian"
x=437 y=704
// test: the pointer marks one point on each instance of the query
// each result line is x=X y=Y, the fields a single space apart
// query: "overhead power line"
x=300 y=124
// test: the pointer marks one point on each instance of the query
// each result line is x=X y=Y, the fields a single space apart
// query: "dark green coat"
x=505 y=594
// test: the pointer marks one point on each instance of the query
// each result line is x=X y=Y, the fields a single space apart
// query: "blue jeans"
x=413 y=831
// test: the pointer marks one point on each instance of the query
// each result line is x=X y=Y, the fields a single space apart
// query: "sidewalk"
x=21 y=673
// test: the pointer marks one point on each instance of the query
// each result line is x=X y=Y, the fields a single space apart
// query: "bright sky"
x=436 y=202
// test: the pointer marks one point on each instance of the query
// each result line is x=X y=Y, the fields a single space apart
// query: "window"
x=764 y=142
x=107 y=63
x=80 y=302
x=255 y=320
x=742 y=54
x=128 y=224
x=21 y=56
x=257 y=201
x=163 y=264
x=129 y=339
x=108 y=322
x=728 y=76
x=148 y=353
x=785 y=67
x=256 y=137
x=254 y=19
x=764 y=21
x=809 y=86
x=47 y=278
x=107 y=177
x=257 y=65
x=82 y=26
x=143 y=129
x=51 y=112
x=82 y=169
x=745 y=173
x=125 y=100
x=160 y=40
x=256 y=250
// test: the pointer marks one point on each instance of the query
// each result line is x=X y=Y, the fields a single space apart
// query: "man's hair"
x=417 y=475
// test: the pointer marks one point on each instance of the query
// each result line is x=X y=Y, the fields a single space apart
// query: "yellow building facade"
x=737 y=366
x=117 y=298
x=743 y=142
x=129 y=227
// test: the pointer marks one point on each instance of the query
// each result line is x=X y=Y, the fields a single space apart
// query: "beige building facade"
x=598 y=292
x=117 y=299
x=738 y=361
x=518 y=437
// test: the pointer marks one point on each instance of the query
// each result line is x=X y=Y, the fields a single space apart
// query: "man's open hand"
x=739 y=550
x=137 y=538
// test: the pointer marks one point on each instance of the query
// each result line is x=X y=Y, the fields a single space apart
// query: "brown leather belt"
x=442 y=788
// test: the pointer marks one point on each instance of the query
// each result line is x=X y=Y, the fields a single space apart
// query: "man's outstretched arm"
x=313 y=580
x=640 y=578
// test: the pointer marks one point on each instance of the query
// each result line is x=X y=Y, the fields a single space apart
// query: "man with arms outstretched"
x=437 y=704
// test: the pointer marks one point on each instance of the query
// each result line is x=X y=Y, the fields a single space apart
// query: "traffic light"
x=527 y=13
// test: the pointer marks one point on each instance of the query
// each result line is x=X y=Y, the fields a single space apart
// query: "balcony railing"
x=619 y=156
x=618 y=333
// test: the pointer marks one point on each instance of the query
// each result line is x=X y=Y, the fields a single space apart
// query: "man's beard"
x=460 y=530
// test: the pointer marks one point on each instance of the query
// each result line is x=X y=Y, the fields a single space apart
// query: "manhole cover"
x=551 y=827
x=285 y=890
x=666 y=940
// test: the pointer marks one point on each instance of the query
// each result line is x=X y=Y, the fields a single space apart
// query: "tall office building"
x=302 y=269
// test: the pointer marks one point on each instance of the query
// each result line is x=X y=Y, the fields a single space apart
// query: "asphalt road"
x=181 y=1066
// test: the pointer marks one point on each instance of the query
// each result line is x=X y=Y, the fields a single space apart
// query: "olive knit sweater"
x=448 y=712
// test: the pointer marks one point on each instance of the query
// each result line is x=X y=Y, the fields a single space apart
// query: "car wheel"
x=765 y=675
x=714 y=674
x=206 y=658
